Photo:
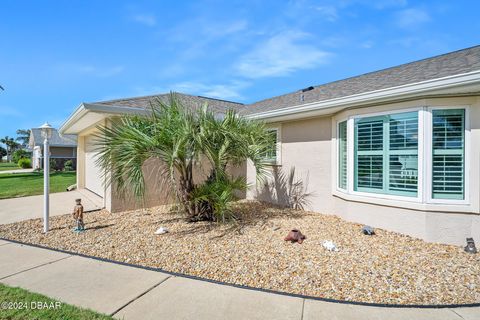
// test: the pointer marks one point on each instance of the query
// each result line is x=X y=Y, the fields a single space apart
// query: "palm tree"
x=10 y=144
x=186 y=141
x=23 y=135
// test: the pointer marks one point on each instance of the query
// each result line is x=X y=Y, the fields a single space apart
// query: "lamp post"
x=46 y=134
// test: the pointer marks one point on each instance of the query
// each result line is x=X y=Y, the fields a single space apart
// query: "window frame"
x=351 y=190
x=337 y=153
x=429 y=155
x=278 y=148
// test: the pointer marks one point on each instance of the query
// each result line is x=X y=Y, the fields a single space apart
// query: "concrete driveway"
x=24 y=208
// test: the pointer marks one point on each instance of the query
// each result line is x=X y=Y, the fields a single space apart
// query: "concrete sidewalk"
x=133 y=293
x=24 y=208
x=17 y=171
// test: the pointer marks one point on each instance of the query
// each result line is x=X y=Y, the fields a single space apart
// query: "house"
x=62 y=148
x=397 y=149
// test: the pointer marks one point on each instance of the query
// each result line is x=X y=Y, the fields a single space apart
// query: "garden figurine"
x=78 y=215
x=295 y=236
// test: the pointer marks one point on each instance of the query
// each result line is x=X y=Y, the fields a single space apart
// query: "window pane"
x=271 y=152
x=369 y=134
x=404 y=131
x=342 y=155
x=370 y=172
x=448 y=135
x=403 y=154
x=403 y=175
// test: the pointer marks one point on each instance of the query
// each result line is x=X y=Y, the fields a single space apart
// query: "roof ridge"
x=217 y=99
x=164 y=94
x=129 y=98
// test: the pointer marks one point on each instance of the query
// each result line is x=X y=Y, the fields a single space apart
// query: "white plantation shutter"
x=342 y=155
x=403 y=154
x=386 y=154
x=369 y=154
x=448 y=148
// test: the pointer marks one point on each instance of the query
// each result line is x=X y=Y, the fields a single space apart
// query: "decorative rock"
x=329 y=245
x=402 y=269
x=295 y=236
x=470 y=247
x=368 y=230
x=161 y=230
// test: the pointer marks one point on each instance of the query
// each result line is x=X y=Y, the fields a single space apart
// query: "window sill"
x=405 y=204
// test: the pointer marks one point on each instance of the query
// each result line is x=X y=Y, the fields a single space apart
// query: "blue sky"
x=56 y=54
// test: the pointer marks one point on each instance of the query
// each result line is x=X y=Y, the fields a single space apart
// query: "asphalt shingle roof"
x=191 y=101
x=67 y=140
x=457 y=62
x=449 y=64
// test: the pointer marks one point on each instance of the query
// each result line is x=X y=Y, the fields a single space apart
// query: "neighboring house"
x=397 y=149
x=62 y=148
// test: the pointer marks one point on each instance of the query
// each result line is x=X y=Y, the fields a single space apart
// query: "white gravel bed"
x=385 y=268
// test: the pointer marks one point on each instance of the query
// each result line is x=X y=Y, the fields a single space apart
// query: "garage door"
x=93 y=173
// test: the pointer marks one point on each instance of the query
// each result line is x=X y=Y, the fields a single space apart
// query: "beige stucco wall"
x=309 y=146
x=158 y=190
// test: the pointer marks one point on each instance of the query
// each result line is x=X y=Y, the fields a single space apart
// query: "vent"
x=308 y=89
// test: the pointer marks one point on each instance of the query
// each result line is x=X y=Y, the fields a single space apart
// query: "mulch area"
x=385 y=268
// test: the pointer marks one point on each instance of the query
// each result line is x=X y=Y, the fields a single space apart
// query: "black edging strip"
x=295 y=295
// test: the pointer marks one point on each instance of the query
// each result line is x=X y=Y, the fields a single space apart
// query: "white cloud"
x=222 y=29
x=148 y=20
x=221 y=91
x=412 y=17
x=230 y=91
x=382 y=4
x=329 y=12
x=281 y=55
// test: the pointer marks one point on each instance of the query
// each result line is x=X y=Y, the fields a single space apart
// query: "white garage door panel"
x=93 y=173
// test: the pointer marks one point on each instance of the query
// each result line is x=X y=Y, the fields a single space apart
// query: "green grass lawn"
x=16 y=303
x=28 y=184
x=4 y=166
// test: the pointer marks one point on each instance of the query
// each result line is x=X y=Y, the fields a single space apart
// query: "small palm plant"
x=186 y=141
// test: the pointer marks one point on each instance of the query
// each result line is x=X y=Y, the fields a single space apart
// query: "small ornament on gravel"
x=161 y=230
x=78 y=216
x=329 y=245
x=295 y=236
x=470 y=247
x=368 y=230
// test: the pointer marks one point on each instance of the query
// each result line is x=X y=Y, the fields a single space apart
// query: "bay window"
x=388 y=154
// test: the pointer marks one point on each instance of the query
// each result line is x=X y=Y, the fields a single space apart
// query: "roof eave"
x=383 y=95
x=85 y=108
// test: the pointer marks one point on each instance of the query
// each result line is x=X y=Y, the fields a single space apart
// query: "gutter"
x=372 y=96
x=323 y=107
x=84 y=108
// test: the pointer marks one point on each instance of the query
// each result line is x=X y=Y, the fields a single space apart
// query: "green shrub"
x=20 y=154
x=25 y=163
x=213 y=198
x=68 y=166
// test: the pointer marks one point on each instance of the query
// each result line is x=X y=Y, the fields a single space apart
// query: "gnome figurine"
x=78 y=215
